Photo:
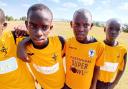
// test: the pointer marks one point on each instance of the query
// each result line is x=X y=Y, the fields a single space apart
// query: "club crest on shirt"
x=54 y=56
x=91 y=53
x=30 y=54
x=3 y=50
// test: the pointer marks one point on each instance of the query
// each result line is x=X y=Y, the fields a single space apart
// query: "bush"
x=125 y=28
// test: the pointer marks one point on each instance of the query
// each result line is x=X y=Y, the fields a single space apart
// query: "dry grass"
x=63 y=28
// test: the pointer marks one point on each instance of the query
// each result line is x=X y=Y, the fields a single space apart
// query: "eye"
x=110 y=28
x=76 y=24
x=118 y=29
x=45 y=27
x=86 y=25
x=32 y=25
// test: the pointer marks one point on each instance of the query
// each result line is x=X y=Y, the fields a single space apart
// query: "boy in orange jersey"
x=84 y=54
x=115 y=57
x=13 y=72
x=44 y=52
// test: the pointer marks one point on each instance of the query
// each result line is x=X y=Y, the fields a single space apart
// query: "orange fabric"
x=47 y=64
x=80 y=62
x=13 y=72
x=114 y=61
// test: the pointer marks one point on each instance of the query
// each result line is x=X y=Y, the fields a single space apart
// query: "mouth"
x=39 y=40
x=113 y=36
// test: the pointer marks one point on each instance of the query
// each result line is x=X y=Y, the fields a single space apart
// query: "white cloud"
x=106 y=1
x=56 y=1
x=87 y=2
x=2 y=3
x=105 y=15
x=26 y=5
x=124 y=6
x=38 y=0
x=69 y=5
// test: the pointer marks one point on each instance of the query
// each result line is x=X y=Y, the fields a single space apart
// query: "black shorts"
x=102 y=85
x=66 y=87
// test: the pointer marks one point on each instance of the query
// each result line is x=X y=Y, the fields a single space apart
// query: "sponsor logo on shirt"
x=72 y=47
x=110 y=67
x=47 y=69
x=79 y=65
x=8 y=65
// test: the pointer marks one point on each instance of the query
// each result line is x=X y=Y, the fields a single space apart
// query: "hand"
x=20 y=31
x=93 y=87
x=21 y=52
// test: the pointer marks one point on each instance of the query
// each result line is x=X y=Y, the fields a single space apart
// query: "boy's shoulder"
x=56 y=39
x=122 y=47
x=6 y=35
x=93 y=40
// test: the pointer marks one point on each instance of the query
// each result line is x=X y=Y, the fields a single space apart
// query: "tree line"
x=96 y=23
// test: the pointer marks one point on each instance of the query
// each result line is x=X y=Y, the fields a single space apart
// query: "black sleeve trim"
x=62 y=40
x=125 y=56
x=14 y=36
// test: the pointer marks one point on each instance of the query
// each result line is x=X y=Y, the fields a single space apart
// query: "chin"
x=80 y=40
x=39 y=43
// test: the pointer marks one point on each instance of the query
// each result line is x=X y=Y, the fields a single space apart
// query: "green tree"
x=23 y=18
x=9 y=18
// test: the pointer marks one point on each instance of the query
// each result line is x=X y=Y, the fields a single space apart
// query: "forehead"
x=114 y=24
x=82 y=17
x=39 y=16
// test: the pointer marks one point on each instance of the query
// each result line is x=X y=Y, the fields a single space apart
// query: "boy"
x=44 y=52
x=115 y=57
x=84 y=54
x=11 y=68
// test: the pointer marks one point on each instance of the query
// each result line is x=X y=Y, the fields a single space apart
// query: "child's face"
x=112 y=31
x=81 y=25
x=39 y=25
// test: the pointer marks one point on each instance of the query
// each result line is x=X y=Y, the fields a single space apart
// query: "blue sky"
x=101 y=10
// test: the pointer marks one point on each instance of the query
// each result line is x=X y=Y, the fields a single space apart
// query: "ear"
x=51 y=27
x=104 y=29
x=92 y=25
x=4 y=25
x=26 y=24
x=71 y=23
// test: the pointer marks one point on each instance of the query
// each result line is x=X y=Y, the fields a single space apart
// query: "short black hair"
x=2 y=16
x=39 y=6
x=82 y=11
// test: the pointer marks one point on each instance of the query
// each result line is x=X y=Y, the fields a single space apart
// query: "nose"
x=81 y=28
x=113 y=31
x=39 y=33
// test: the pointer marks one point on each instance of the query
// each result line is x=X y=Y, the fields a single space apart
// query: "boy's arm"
x=20 y=31
x=21 y=49
x=99 y=62
x=95 y=76
x=120 y=73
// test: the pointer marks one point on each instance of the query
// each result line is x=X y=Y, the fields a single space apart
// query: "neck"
x=41 y=46
x=111 y=43
x=87 y=40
